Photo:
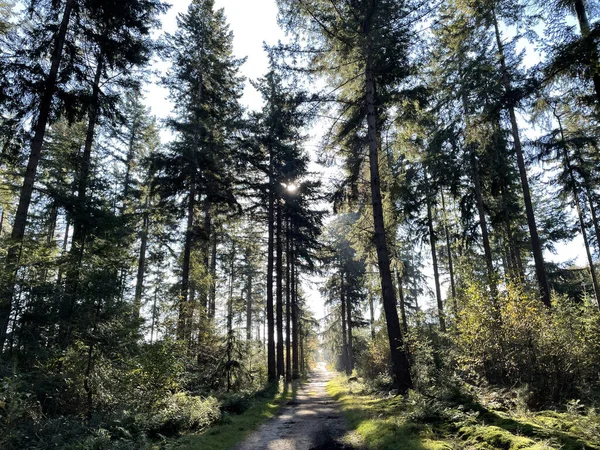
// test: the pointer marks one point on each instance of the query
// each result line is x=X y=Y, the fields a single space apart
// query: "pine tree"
x=205 y=85
x=350 y=39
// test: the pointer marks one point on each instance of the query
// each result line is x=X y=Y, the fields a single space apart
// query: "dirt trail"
x=312 y=422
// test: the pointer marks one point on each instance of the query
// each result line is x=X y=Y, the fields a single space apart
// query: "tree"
x=43 y=116
x=353 y=36
x=205 y=84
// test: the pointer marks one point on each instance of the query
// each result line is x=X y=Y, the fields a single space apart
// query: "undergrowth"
x=467 y=422
x=234 y=428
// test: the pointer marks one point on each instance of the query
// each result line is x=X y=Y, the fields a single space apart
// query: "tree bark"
x=434 y=262
x=80 y=220
x=400 y=364
x=540 y=268
x=295 y=329
x=153 y=324
x=141 y=269
x=230 y=318
x=487 y=248
x=249 y=297
x=271 y=364
x=206 y=252
x=402 y=303
x=182 y=321
x=20 y=220
x=371 y=315
x=279 y=293
x=593 y=212
x=350 y=351
x=345 y=359
x=449 y=251
x=128 y=163
x=288 y=311
x=213 y=279
x=584 y=27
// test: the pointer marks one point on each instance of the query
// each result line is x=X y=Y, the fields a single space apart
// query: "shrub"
x=236 y=403
x=182 y=412
x=552 y=351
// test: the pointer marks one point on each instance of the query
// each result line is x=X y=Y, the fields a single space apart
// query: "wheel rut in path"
x=312 y=421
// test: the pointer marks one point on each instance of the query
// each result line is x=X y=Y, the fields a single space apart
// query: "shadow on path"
x=312 y=421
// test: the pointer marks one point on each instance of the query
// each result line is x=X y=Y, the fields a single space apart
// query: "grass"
x=420 y=423
x=235 y=428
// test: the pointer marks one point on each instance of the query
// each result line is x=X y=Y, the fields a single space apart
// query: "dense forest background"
x=152 y=287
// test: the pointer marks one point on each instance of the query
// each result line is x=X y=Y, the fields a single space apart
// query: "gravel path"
x=312 y=422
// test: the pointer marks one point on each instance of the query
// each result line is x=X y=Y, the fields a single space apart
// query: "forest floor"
x=387 y=422
x=329 y=412
x=311 y=421
x=301 y=417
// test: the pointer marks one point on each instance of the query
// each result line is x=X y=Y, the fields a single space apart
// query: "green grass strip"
x=376 y=424
x=235 y=428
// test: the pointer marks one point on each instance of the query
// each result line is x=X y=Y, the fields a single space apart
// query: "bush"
x=182 y=412
x=236 y=403
x=552 y=351
x=373 y=362
x=20 y=414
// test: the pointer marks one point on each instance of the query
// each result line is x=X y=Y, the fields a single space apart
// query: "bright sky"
x=254 y=22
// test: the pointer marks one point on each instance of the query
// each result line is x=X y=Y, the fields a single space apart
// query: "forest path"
x=313 y=421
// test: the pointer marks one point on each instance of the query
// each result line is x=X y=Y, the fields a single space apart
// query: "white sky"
x=254 y=22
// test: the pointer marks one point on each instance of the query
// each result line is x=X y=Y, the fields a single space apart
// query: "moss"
x=383 y=423
x=436 y=445
x=493 y=437
x=392 y=423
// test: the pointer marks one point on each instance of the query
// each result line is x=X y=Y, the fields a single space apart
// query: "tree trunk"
x=434 y=262
x=513 y=250
x=52 y=223
x=230 y=318
x=371 y=315
x=52 y=220
x=587 y=247
x=402 y=303
x=584 y=28
x=345 y=359
x=90 y=364
x=350 y=351
x=213 y=280
x=400 y=364
x=141 y=269
x=182 y=321
x=20 y=220
x=249 y=297
x=295 y=330
x=279 y=293
x=449 y=251
x=288 y=309
x=567 y=164
x=301 y=352
x=271 y=364
x=487 y=248
x=154 y=312
x=540 y=268
x=206 y=252
x=80 y=220
x=128 y=163
x=594 y=214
